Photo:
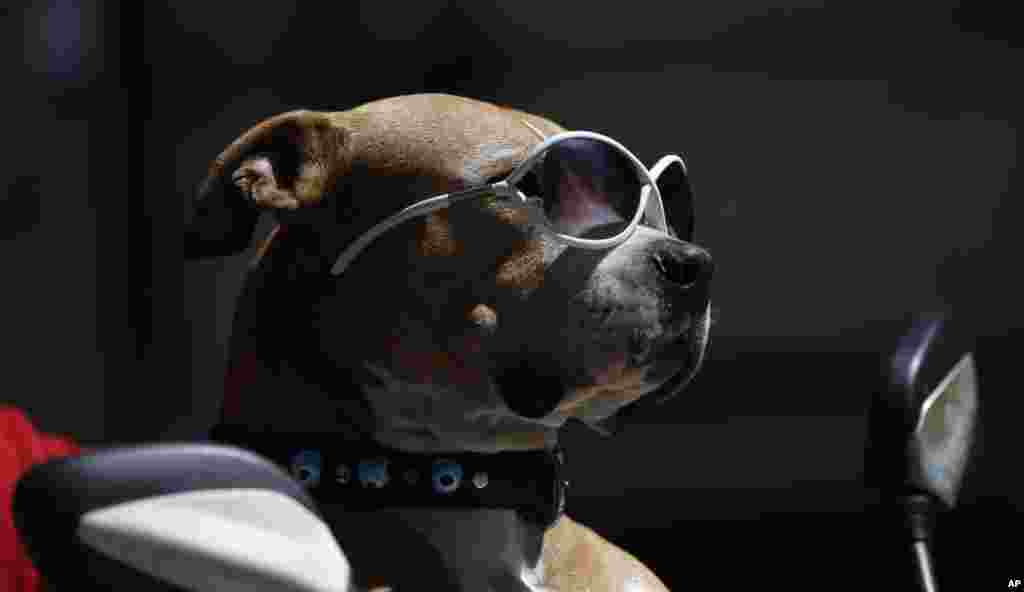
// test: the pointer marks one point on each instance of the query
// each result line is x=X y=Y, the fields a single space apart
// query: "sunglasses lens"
x=589 y=188
x=677 y=197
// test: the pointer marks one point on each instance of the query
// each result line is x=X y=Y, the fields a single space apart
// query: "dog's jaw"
x=437 y=418
x=475 y=416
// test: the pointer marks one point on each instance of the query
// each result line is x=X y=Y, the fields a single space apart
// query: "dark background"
x=854 y=164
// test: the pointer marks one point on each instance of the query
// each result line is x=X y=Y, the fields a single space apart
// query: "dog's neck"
x=475 y=549
x=452 y=549
x=438 y=548
x=471 y=549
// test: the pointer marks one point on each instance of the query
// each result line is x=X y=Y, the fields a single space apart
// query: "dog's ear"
x=287 y=162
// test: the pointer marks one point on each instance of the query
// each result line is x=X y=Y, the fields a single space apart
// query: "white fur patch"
x=533 y=578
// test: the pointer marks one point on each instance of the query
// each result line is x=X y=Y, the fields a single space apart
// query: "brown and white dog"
x=468 y=329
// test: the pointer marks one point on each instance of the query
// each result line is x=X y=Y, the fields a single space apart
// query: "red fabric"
x=21 y=446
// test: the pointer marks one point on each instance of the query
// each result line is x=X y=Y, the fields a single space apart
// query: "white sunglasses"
x=583 y=185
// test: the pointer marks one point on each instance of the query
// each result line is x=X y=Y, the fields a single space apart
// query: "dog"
x=467 y=329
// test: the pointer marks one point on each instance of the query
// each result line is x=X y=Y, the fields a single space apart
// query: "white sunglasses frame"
x=652 y=208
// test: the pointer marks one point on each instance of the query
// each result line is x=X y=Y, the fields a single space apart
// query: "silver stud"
x=480 y=480
x=343 y=474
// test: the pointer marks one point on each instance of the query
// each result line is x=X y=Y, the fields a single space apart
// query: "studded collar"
x=367 y=476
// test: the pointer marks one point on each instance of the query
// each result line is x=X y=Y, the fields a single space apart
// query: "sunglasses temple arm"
x=419 y=209
x=656 y=172
x=655 y=209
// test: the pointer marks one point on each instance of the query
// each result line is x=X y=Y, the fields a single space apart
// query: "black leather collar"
x=366 y=476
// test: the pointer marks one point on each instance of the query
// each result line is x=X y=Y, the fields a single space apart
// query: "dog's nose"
x=683 y=264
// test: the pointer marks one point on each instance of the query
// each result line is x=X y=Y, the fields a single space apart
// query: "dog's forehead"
x=450 y=140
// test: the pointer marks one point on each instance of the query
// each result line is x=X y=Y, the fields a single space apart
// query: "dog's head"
x=471 y=327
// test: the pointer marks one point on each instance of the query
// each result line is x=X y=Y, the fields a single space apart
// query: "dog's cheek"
x=522 y=272
x=456 y=366
x=436 y=238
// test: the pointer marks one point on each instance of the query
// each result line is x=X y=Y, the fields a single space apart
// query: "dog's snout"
x=683 y=265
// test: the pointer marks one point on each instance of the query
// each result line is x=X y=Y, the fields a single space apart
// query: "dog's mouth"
x=534 y=386
x=692 y=347
x=671 y=377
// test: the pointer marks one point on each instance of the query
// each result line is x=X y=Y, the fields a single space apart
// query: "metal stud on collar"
x=343 y=474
